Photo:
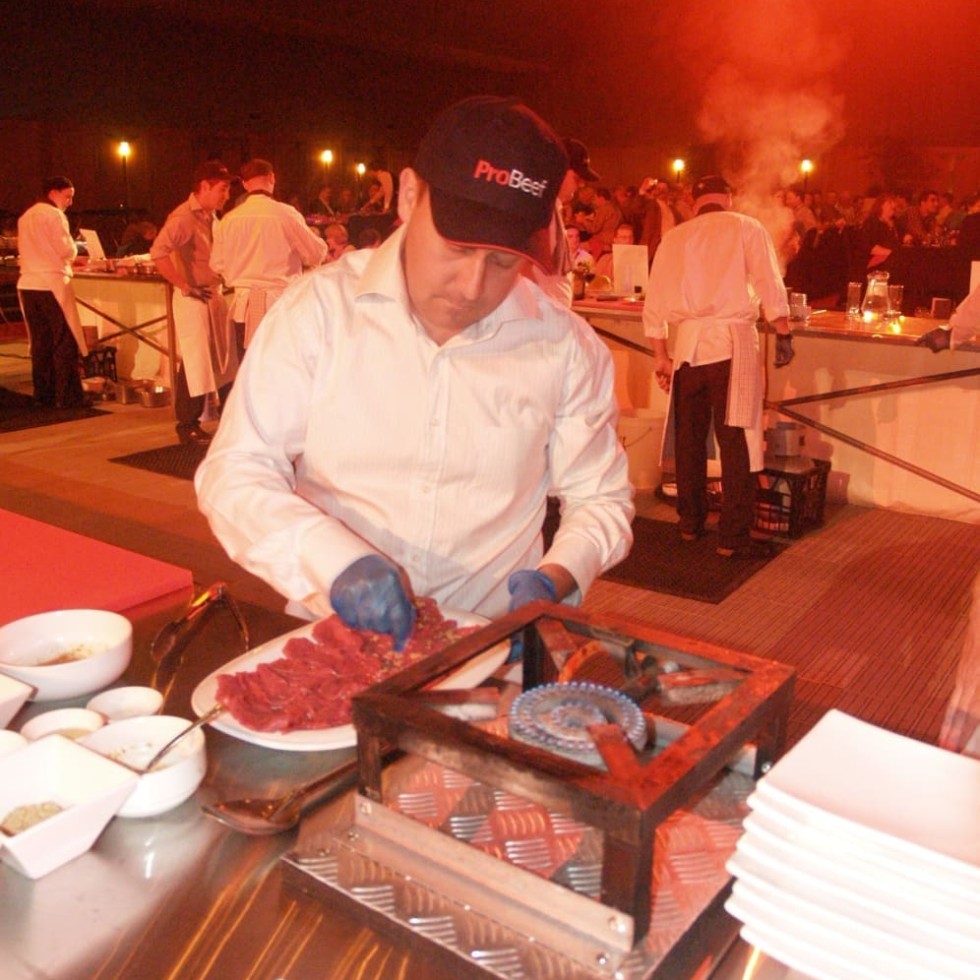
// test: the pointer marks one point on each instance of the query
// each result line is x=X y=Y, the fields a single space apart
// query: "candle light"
x=326 y=158
x=678 y=166
x=806 y=166
x=124 y=150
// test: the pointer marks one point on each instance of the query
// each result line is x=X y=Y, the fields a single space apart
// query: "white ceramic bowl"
x=89 y=788
x=70 y=722
x=126 y=702
x=135 y=741
x=101 y=641
x=13 y=694
x=10 y=742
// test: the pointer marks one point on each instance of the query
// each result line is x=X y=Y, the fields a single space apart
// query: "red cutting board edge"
x=45 y=567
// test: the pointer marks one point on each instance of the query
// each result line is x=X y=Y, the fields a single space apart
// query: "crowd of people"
x=824 y=239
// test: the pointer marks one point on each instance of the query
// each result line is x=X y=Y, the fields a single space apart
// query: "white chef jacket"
x=965 y=321
x=350 y=431
x=707 y=280
x=46 y=252
x=259 y=247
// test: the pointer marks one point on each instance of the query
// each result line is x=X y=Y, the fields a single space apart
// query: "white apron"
x=745 y=393
x=205 y=342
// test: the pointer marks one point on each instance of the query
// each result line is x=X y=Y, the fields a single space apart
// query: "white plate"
x=341 y=736
x=868 y=952
x=900 y=886
x=794 y=874
x=892 y=792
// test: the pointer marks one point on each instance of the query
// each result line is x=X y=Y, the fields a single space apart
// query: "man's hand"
x=663 y=369
x=784 y=349
x=372 y=594
x=203 y=293
x=526 y=586
x=936 y=340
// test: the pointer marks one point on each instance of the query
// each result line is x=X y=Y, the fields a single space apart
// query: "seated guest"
x=919 y=226
x=880 y=234
x=337 y=241
x=624 y=236
x=969 y=230
x=137 y=239
x=369 y=238
x=346 y=204
x=802 y=212
x=323 y=202
x=580 y=256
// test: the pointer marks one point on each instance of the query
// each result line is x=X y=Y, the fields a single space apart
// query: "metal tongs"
x=169 y=639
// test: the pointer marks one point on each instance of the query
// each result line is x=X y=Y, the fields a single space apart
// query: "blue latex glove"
x=370 y=594
x=524 y=586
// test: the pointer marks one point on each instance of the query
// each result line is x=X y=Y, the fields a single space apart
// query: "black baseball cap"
x=493 y=167
x=710 y=184
x=578 y=159
x=211 y=170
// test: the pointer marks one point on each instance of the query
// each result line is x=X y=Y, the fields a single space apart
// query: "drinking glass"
x=895 y=295
x=854 y=299
x=797 y=306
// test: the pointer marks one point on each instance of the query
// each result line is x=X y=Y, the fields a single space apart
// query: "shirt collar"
x=384 y=276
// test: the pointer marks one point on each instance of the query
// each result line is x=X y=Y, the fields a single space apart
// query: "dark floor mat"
x=662 y=562
x=19 y=412
x=180 y=461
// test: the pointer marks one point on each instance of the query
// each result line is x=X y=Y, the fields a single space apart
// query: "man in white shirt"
x=964 y=325
x=406 y=411
x=259 y=247
x=47 y=252
x=708 y=278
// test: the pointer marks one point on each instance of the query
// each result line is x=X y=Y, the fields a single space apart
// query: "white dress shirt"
x=259 y=247
x=707 y=281
x=350 y=431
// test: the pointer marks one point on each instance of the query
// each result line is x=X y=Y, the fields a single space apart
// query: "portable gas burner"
x=576 y=832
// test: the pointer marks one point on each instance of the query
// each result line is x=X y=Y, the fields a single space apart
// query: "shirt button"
x=434 y=422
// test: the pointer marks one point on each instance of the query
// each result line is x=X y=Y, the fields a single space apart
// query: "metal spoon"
x=180 y=736
x=263 y=816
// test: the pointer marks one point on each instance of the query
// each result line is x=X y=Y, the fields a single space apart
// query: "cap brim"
x=587 y=173
x=469 y=223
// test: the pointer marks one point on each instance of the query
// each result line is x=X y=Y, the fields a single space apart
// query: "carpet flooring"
x=180 y=461
x=661 y=562
x=19 y=412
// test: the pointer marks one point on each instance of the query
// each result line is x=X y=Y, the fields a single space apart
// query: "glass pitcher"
x=875 y=304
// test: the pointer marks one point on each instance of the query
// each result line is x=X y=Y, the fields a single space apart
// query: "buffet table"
x=898 y=423
x=131 y=312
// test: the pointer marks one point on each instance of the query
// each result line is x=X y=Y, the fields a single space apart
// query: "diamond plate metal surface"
x=689 y=873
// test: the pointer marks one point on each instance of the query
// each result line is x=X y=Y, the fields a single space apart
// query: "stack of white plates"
x=861 y=858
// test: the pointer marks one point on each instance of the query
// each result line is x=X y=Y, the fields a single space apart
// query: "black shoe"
x=754 y=549
x=192 y=434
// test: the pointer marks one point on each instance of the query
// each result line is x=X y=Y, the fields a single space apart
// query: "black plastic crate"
x=791 y=495
x=100 y=362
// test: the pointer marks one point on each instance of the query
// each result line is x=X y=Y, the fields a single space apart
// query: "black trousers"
x=188 y=407
x=700 y=393
x=54 y=352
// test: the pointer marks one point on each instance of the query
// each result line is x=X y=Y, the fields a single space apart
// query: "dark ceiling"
x=615 y=72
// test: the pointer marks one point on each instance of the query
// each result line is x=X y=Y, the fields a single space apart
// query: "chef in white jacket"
x=47 y=253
